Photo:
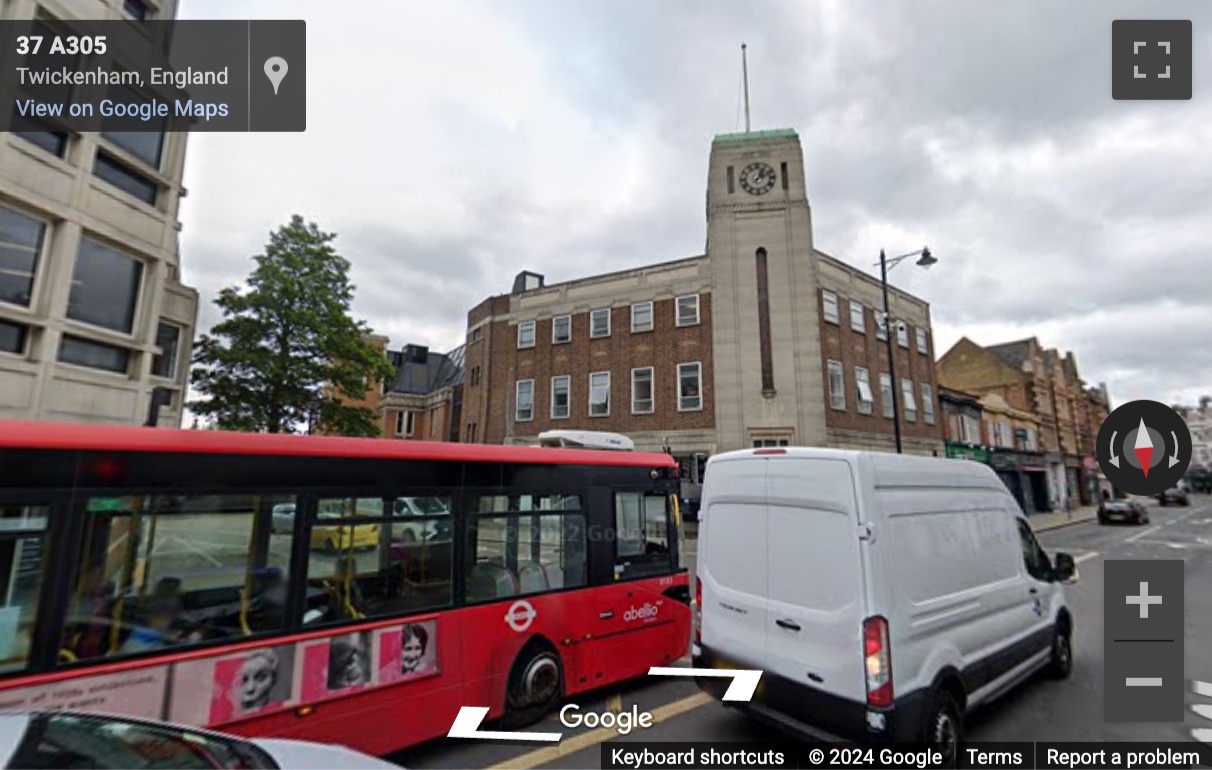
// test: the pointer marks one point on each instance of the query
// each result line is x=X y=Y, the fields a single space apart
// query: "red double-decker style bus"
x=357 y=591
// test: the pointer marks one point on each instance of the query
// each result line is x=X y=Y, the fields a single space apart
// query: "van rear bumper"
x=816 y=714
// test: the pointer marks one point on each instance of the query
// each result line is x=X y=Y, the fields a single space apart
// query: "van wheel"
x=1061 y=665
x=945 y=727
x=536 y=682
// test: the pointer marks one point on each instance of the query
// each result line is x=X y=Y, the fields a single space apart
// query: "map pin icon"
x=275 y=70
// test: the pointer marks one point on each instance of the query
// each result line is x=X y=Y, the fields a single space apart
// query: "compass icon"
x=1144 y=447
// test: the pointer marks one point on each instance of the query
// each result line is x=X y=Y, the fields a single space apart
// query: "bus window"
x=160 y=571
x=641 y=534
x=369 y=563
x=511 y=503
x=21 y=539
x=524 y=554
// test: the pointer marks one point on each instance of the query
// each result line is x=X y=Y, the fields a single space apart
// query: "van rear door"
x=815 y=587
x=731 y=567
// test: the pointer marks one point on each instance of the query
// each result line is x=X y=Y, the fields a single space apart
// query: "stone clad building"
x=763 y=340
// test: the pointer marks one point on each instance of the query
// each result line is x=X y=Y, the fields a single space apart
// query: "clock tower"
x=769 y=385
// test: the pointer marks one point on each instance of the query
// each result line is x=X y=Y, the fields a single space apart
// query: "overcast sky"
x=452 y=144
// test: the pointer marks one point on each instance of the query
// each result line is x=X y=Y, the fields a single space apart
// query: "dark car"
x=1174 y=495
x=1122 y=510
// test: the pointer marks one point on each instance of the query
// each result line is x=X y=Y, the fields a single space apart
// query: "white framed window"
x=902 y=334
x=857 y=321
x=881 y=325
x=599 y=394
x=641 y=317
x=523 y=409
x=927 y=404
x=561 y=329
x=910 y=401
x=970 y=429
x=641 y=391
x=690 y=387
x=526 y=334
x=687 y=310
x=837 y=386
x=886 y=395
x=561 y=397
x=599 y=322
x=405 y=423
x=923 y=343
x=829 y=301
x=862 y=381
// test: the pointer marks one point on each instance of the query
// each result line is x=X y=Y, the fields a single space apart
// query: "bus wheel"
x=536 y=682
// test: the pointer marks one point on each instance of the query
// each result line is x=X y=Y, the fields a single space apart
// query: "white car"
x=65 y=739
x=883 y=596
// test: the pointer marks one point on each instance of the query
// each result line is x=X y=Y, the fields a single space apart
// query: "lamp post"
x=885 y=264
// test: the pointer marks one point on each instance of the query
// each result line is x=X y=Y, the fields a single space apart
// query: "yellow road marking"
x=599 y=735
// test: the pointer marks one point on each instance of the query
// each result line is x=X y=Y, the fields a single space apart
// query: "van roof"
x=887 y=469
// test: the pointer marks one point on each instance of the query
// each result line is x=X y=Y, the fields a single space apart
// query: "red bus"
x=357 y=591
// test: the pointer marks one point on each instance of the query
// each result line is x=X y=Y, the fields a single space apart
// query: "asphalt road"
x=1040 y=710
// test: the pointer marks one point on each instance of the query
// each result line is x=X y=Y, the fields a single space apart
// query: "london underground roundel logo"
x=520 y=615
x=1144 y=447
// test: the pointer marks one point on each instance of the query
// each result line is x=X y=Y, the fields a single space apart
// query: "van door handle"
x=787 y=624
x=1033 y=591
x=606 y=615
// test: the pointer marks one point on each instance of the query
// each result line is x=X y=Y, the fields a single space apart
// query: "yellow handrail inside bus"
x=677 y=511
x=67 y=656
x=132 y=554
x=246 y=592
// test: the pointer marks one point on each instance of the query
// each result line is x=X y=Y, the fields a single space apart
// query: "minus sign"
x=1144 y=682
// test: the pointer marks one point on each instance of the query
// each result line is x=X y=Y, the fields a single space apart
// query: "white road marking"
x=1203 y=709
x=1139 y=535
x=1086 y=557
x=1202 y=688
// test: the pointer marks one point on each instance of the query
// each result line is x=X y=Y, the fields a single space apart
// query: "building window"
x=902 y=334
x=599 y=394
x=862 y=380
x=561 y=329
x=475 y=376
x=526 y=334
x=471 y=433
x=524 y=406
x=94 y=355
x=829 y=300
x=886 y=395
x=125 y=179
x=641 y=317
x=599 y=322
x=927 y=404
x=406 y=422
x=837 y=386
x=731 y=180
x=857 y=322
x=785 y=176
x=923 y=344
x=910 y=402
x=688 y=310
x=970 y=428
x=21 y=240
x=147 y=146
x=12 y=338
x=641 y=391
x=763 y=443
x=477 y=334
x=881 y=325
x=168 y=339
x=40 y=134
x=105 y=287
x=136 y=9
x=561 y=404
x=690 y=387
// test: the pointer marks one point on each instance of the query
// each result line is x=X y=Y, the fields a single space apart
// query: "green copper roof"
x=775 y=133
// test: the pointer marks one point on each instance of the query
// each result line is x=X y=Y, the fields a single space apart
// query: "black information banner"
x=131 y=77
x=983 y=756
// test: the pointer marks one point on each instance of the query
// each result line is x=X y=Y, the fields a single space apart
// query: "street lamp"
x=925 y=261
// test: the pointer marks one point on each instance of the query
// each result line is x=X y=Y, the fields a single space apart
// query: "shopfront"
x=957 y=450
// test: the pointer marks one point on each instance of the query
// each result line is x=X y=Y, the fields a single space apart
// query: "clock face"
x=757 y=179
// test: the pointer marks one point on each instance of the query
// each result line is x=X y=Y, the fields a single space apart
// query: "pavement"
x=1040 y=710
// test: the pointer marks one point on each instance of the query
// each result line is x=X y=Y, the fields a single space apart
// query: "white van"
x=883 y=596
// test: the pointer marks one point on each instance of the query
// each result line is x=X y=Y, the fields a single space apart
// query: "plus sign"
x=1144 y=600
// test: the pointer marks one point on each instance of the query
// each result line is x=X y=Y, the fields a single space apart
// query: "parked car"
x=282 y=519
x=67 y=739
x=1122 y=510
x=883 y=596
x=1175 y=495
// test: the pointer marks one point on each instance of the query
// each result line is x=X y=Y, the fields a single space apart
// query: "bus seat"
x=532 y=578
x=490 y=581
x=554 y=575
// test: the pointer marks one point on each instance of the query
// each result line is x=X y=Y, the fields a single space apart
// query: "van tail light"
x=697 y=609
x=877 y=658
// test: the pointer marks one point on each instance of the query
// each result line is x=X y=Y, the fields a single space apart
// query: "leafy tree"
x=287 y=346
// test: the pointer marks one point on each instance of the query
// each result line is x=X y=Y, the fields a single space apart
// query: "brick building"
x=1046 y=384
x=763 y=340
